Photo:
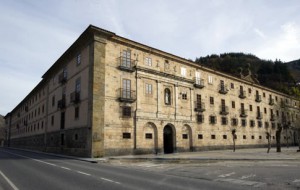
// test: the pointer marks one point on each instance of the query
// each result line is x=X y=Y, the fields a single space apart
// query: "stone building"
x=2 y=130
x=108 y=95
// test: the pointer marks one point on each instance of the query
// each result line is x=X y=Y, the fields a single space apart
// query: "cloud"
x=259 y=33
x=284 y=45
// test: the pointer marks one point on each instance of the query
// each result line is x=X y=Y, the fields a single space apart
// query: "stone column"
x=192 y=102
x=159 y=102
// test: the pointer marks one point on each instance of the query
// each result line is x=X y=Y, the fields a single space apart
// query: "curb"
x=91 y=160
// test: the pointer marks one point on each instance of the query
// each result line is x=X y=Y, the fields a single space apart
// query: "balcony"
x=243 y=113
x=199 y=106
x=75 y=97
x=258 y=98
x=224 y=110
x=62 y=78
x=272 y=117
x=127 y=95
x=198 y=83
x=127 y=64
x=259 y=115
x=223 y=89
x=61 y=104
x=271 y=101
x=242 y=94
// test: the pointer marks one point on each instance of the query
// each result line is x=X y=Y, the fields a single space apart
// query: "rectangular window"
x=77 y=112
x=244 y=137
x=260 y=137
x=184 y=136
x=249 y=90
x=210 y=79
x=126 y=91
x=200 y=118
x=259 y=123
x=126 y=59
x=148 y=61
x=126 y=135
x=53 y=100
x=252 y=123
x=184 y=95
x=265 y=110
x=224 y=136
x=183 y=71
x=252 y=137
x=200 y=136
x=62 y=120
x=77 y=85
x=211 y=100
x=78 y=59
x=213 y=136
x=244 y=122
x=231 y=85
x=212 y=119
x=224 y=120
x=52 y=120
x=148 y=89
x=126 y=111
x=233 y=104
x=250 y=107
x=234 y=122
x=266 y=124
x=148 y=135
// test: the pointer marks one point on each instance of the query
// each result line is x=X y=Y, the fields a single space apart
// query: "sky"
x=35 y=33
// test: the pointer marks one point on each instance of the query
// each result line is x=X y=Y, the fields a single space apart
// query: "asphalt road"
x=270 y=174
x=27 y=170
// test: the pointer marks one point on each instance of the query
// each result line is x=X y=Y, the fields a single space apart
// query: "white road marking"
x=105 y=179
x=296 y=181
x=9 y=182
x=65 y=168
x=227 y=175
x=242 y=182
x=83 y=173
x=247 y=176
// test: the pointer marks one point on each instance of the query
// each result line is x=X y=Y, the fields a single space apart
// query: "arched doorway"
x=169 y=139
x=151 y=142
x=187 y=138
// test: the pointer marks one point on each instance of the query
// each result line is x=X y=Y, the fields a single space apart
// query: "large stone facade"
x=107 y=95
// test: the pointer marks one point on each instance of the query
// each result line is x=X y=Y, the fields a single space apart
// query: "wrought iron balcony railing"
x=242 y=94
x=271 y=101
x=223 y=89
x=199 y=106
x=62 y=78
x=224 y=110
x=258 y=98
x=75 y=97
x=259 y=115
x=198 y=82
x=243 y=113
x=127 y=95
x=127 y=64
x=272 y=118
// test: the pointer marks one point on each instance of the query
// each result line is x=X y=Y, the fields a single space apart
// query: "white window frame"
x=148 y=61
x=148 y=89
x=210 y=79
x=198 y=77
x=183 y=71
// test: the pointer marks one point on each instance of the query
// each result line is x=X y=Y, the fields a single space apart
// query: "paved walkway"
x=240 y=154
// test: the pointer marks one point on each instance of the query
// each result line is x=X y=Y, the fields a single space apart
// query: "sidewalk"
x=254 y=154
